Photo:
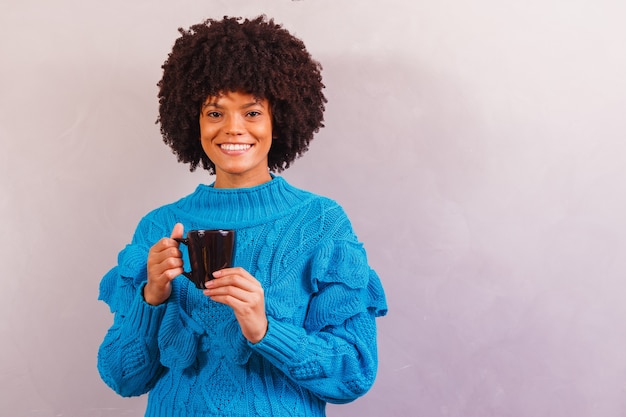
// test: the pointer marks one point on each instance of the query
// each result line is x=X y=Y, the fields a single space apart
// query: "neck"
x=224 y=180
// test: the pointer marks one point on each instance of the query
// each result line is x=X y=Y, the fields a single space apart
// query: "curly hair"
x=258 y=57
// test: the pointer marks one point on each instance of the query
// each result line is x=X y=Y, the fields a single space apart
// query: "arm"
x=335 y=354
x=128 y=358
x=338 y=364
x=136 y=290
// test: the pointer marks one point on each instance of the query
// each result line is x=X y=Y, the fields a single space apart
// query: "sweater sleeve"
x=334 y=355
x=128 y=358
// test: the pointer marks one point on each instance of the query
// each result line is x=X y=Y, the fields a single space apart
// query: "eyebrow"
x=245 y=106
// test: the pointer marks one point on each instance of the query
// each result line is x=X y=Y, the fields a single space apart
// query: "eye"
x=213 y=114
x=253 y=113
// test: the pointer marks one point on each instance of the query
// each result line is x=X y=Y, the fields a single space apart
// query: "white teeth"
x=235 y=146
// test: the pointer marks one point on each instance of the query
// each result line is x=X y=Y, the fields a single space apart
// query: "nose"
x=235 y=125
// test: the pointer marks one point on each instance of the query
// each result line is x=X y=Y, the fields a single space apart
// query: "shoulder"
x=310 y=197
x=327 y=214
x=320 y=202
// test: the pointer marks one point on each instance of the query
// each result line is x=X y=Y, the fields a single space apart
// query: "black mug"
x=209 y=251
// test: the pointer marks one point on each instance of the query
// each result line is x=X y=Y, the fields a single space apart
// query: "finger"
x=170 y=267
x=237 y=288
x=163 y=250
x=172 y=273
x=177 y=231
x=235 y=281
x=164 y=245
x=228 y=295
x=236 y=271
x=171 y=262
x=233 y=294
x=242 y=302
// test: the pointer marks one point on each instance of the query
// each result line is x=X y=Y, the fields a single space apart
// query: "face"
x=236 y=135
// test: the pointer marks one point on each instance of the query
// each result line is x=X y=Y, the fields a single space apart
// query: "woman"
x=292 y=325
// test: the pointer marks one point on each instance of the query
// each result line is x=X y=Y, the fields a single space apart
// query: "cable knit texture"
x=321 y=299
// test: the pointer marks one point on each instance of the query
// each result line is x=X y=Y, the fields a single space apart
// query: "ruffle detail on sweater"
x=344 y=286
x=118 y=286
x=132 y=264
x=179 y=334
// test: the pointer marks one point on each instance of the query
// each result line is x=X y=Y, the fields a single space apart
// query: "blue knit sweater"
x=321 y=300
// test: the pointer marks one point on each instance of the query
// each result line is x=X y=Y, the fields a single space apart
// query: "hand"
x=236 y=288
x=165 y=263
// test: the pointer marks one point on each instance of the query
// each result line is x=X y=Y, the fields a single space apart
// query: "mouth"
x=235 y=146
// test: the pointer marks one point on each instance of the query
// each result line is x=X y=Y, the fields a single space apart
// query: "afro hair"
x=255 y=56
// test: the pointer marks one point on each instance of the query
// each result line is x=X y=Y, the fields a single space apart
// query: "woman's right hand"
x=165 y=263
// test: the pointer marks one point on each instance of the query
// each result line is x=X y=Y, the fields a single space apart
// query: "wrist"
x=256 y=338
x=152 y=296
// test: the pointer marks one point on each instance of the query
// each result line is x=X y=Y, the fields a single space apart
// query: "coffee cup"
x=209 y=251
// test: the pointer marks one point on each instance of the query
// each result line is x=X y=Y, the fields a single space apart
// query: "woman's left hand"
x=236 y=288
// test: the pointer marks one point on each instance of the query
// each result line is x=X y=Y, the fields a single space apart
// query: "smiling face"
x=236 y=135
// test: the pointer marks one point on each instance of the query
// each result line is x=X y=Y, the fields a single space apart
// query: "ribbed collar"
x=231 y=207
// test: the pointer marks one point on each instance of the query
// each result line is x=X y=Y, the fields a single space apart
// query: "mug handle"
x=184 y=241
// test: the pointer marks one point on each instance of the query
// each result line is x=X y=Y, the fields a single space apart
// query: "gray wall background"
x=478 y=147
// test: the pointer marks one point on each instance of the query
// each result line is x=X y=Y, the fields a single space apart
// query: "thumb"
x=177 y=231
